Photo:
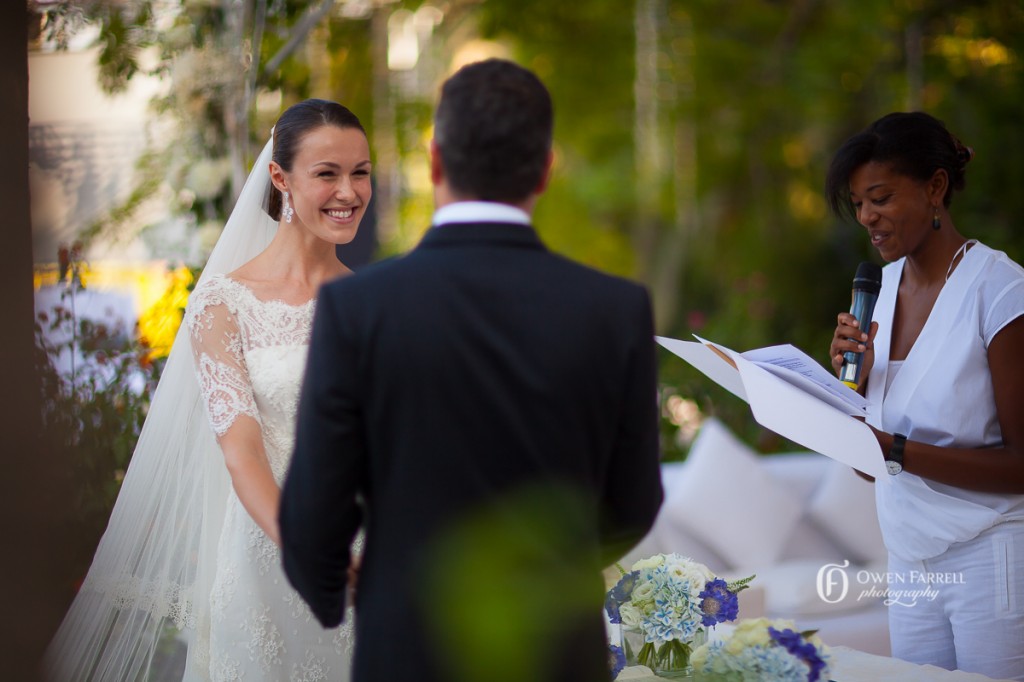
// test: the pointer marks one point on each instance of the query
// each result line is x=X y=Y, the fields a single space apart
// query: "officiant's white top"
x=943 y=396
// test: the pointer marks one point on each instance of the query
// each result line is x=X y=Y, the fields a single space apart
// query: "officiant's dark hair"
x=493 y=130
x=295 y=122
x=913 y=144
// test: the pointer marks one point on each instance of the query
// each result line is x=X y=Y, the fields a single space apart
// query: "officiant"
x=945 y=383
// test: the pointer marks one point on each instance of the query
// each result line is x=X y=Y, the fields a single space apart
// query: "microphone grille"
x=868 y=277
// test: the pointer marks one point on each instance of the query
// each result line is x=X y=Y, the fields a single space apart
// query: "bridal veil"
x=151 y=576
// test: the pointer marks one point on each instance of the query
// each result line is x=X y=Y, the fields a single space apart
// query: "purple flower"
x=718 y=603
x=619 y=595
x=616 y=659
x=794 y=643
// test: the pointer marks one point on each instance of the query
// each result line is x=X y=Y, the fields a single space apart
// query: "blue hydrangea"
x=773 y=653
x=676 y=616
x=754 y=664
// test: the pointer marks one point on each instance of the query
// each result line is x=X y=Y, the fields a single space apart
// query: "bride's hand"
x=353 y=575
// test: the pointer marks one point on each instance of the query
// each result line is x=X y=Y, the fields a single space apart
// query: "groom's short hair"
x=493 y=130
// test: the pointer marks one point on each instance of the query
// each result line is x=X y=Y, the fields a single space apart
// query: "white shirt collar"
x=479 y=212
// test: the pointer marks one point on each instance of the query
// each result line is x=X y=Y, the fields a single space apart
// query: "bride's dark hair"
x=294 y=123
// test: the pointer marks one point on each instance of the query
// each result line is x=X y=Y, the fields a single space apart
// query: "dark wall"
x=31 y=500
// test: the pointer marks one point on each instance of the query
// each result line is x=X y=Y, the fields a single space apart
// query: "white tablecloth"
x=850 y=665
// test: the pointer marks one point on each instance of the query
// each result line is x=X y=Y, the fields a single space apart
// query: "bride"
x=191 y=546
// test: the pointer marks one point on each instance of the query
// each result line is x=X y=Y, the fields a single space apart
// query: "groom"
x=486 y=411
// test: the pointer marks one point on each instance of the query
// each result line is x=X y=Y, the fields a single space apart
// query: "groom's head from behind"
x=492 y=135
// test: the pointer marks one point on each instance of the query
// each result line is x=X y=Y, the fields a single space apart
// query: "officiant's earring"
x=286 y=210
x=936 y=220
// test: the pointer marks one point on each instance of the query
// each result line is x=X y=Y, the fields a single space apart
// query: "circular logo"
x=833 y=581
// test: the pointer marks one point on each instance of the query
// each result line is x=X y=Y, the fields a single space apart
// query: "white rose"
x=684 y=569
x=649 y=563
x=752 y=632
x=631 y=616
x=643 y=591
x=781 y=624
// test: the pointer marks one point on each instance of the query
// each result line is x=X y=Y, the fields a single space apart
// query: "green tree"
x=692 y=137
x=218 y=58
x=752 y=98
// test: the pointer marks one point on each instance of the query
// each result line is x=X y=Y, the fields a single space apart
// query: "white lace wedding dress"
x=250 y=356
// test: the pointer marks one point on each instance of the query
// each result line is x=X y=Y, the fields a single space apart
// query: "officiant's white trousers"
x=969 y=611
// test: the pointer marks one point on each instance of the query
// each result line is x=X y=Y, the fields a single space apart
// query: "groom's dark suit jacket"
x=485 y=402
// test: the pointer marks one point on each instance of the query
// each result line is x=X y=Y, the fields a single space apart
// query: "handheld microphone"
x=866 y=285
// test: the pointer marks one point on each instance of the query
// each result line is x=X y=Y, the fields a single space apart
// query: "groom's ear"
x=546 y=177
x=436 y=165
x=277 y=177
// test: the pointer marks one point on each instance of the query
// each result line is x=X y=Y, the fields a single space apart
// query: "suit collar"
x=498 y=234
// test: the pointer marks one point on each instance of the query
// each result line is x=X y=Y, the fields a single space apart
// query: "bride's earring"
x=286 y=210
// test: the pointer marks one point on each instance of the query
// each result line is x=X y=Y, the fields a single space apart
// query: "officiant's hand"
x=848 y=328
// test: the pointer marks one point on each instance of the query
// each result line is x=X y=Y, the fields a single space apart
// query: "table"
x=850 y=665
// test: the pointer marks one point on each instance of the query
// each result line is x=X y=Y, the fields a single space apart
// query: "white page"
x=791 y=364
x=708 y=362
x=786 y=408
x=802 y=418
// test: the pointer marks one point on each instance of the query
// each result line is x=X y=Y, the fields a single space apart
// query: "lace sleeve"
x=219 y=363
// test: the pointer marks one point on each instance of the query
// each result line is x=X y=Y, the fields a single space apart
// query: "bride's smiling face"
x=329 y=182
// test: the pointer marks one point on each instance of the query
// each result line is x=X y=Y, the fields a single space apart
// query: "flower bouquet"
x=667 y=602
x=762 y=649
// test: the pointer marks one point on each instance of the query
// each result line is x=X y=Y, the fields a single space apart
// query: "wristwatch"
x=894 y=460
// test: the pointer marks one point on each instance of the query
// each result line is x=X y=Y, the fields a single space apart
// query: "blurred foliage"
x=771 y=89
x=214 y=67
x=690 y=149
x=524 y=555
x=97 y=380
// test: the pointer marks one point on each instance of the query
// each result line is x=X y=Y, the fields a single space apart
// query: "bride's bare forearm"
x=253 y=481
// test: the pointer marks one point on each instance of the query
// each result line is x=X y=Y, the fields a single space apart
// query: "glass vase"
x=631 y=643
x=670 y=660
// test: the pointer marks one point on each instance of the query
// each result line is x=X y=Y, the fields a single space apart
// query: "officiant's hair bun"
x=913 y=144
x=294 y=123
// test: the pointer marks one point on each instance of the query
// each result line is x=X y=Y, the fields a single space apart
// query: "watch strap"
x=896 y=451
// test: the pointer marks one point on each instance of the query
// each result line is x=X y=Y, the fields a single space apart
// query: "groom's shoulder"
x=415 y=269
x=594 y=279
x=367 y=275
